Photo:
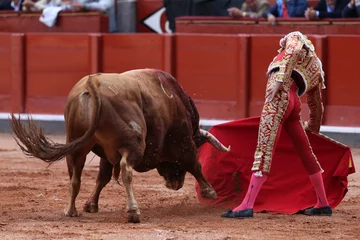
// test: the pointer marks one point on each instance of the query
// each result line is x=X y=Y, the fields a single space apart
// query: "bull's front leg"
x=192 y=165
x=132 y=209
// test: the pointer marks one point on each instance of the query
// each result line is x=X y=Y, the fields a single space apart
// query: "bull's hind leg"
x=133 y=212
x=75 y=164
x=103 y=178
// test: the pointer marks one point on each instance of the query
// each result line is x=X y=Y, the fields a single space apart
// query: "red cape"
x=288 y=188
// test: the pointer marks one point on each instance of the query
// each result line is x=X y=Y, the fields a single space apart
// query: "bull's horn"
x=214 y=141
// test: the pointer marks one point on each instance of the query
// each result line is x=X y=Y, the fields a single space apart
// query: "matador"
x=295 y=71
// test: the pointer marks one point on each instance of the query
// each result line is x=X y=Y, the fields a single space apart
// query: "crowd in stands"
x=271 y=10
x=297 y=8
x=38 y=5
x=107 y=6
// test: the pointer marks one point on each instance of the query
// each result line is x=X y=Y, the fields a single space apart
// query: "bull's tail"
x=34 y=143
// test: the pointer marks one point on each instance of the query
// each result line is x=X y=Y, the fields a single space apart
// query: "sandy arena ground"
x=34 y=195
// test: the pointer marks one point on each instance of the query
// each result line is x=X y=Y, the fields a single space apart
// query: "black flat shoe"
x=247 y=213
x=322 y=211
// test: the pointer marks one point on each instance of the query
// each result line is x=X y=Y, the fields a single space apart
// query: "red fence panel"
x=123 y=52
x=224 y=74
x=211 y=69
x=5 y=72
x=343 y=84
x=54 y=63
x=262 y=51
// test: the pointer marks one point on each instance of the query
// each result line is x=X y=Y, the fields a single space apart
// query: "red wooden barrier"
x=54 y=63
x=214 y=67
x=17 y=72
x=5 y=72
x=343 y=81
x=124 y=52
x=224 y=74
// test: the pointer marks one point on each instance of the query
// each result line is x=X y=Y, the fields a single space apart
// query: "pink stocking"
x=252 y=192
x=317 y=181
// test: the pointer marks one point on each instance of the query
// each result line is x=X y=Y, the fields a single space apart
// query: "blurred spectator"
x=177 y=8
x=16 y=5
x=174 y=9
x=352 y=10
x=250 y=8
x=210 y=7
x=286 y=9
x=6 y=5
x=107 y=6
x=39 y=5
x=326 y=9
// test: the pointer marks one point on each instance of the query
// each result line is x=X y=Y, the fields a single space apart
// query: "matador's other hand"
x=273 y=91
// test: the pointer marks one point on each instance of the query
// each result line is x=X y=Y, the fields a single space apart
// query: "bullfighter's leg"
x=273 y=116
x=133 y=212
x=75 y=166
x=103 y=178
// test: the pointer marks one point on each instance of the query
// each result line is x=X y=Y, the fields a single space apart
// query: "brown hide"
x=139 y=108
x=140 y=119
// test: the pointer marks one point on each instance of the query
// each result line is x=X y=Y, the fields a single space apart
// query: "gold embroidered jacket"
x=297 y=56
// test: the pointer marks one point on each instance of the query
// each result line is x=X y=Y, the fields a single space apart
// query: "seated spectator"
x=107 y=6
x=250 y=8
x=174 y=9
x=286 y=9
x=16 y=5
x=39 y=5
x=6 y=5
x=209 y=7
x=352 y=10
x=326 y=9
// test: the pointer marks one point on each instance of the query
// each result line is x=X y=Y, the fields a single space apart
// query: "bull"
x=140 y=119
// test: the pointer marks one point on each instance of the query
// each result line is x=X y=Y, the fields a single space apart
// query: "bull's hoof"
x=133 y=215
x=209 y=193
x=91 y=207
x=71 y=213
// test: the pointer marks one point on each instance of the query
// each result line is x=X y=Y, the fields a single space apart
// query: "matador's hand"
x=307 y=127
x=272 y=92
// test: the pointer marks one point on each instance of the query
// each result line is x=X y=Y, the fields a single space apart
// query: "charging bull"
x=140 y=119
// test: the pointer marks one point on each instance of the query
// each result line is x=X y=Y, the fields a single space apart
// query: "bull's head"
x=173 y=174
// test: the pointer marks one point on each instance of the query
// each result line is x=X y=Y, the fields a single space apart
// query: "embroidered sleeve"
x=316 y=108
x=292 y=51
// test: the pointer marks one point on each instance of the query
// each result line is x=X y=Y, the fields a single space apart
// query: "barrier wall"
x=67 y=21
x=224 y=74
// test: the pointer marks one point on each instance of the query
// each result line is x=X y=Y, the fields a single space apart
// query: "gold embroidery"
x=316 y=109
x=298 y=55
x=270 y=120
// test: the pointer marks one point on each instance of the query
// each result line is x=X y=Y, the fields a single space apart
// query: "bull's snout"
x=174 y=185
